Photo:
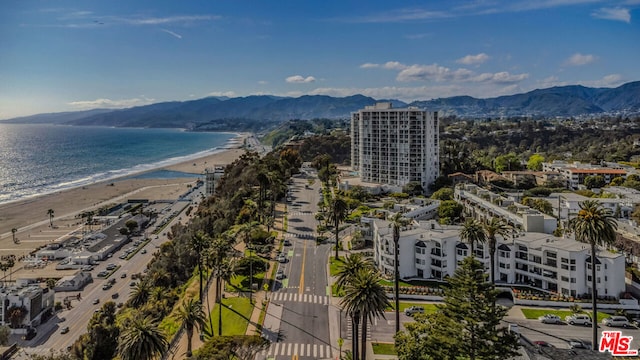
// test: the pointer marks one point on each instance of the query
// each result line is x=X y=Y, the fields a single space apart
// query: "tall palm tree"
x=338 y=214
x=192 y=316
x=473 y=233
x=245 y=230
x=224 y=272
x=50 y=213
x=365 y=296
x=594 y=225
x=199 y=243
x=141 y=339
x=397 y=221
x=350 y=267
x=496 y=226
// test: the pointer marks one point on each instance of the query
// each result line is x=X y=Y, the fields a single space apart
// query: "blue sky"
x=76 y=55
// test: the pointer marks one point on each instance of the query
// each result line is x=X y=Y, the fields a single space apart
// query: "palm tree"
x=365 y=296
x=199 y=242
x=594 y=225
x=140 y=294
x=50 y=213
x=191 y=315
x=350 y=267
x=224 y=272
x=246 y=230
x=141 y=339
x=473 y=233
x=493 y=228
x=338 y=214
x=397 y=221
x=13 y=234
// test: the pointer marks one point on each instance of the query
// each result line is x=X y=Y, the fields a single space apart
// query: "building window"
x=564 y=267
x=564 y=278
x=572 y=268
x=588 y=277
x=573 y=280
x=573 y=261
x=564 y=260
x=417 y=261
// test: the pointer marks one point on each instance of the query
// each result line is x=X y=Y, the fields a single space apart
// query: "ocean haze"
x=44 y=158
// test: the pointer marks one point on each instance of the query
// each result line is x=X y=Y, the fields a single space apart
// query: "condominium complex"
x=428 y=250
x=395 y=146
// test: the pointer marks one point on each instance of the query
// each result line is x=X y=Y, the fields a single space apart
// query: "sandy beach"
x=30 y=217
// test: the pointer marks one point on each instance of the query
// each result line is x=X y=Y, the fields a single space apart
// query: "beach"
x=30 y=217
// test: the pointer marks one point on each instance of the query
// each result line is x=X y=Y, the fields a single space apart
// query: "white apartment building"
x=395 y=146
x=212 y=176
x=430 y=251
x=483 y=204
x=35 y=299
x=575 y=173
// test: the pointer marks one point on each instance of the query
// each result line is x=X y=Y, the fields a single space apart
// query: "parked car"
x=578 y=319
x=415 y=309
x=114 y=295
x=287 y=242
x=144 y=251
x=64 y=330
x=617 y=321
x=514 y=328
x=550 y=319
x=281 y=258
x=124 y=275
x=106 y=287
x=111 y=266
x=280 y=275
x=96 y=301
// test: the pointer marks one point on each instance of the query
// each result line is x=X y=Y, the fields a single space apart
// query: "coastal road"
x=303 y=294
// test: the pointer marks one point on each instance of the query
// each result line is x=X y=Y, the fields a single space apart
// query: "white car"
x=410 y=311
x=578 y=319
x=617 y=321
x=280 y=275
x=550 y=319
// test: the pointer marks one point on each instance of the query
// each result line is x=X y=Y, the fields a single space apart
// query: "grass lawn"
x=530 y=313
x=334 y=265
x=236 y=313
x=428 y=308
x=241 y=282
x=384 y=348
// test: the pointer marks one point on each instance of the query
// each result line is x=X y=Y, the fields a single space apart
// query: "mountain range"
x=228 y=113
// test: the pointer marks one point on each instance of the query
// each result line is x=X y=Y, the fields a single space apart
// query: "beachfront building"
x=32 y=300
x=395 y=146
x=212 y=176
x=428 y=250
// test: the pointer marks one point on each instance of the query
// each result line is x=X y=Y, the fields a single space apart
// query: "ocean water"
x=40 y=158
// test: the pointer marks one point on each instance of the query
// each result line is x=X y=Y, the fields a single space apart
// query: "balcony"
x=552 y=263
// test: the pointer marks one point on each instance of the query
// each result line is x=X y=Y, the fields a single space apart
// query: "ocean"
x=37 y=159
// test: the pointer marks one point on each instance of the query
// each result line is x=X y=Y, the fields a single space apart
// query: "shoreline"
x=29 y=215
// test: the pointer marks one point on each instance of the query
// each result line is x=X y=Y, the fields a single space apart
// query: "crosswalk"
x=300 y=236
x=349 y=327
x=305 y=298
x=300 y=213
x=314 y=351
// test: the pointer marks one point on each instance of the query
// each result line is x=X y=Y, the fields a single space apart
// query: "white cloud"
x=503 y=77
x=167 y=20
x=172 y=33
x=550 y=81
x=369 y=66
x=578 y=59
x=611 y=80
x=299 y=79
x=111 y=104
x=437 y=73
x=222 y=93
x=473 y=59
x=617 y=14
x=433 y=72
x=263 y=82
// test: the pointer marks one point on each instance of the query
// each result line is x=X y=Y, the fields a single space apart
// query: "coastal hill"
x=214 y=113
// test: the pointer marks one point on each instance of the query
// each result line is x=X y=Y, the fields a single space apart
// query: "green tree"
x=140 y=294
x=413 y=188
x=449 y=211
x=141 y=339
x=466 y=326
x=508 y=162
x=339 y=211
x=535 y=162
x=364 y=297
x=594 y=225
x=473 y=233
x=131 y=225
x=199 y=244
x=445 y=193
x=594 y=181
x=495 y=227
x=101 y=339
x=350 y=267
x=192 y=316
